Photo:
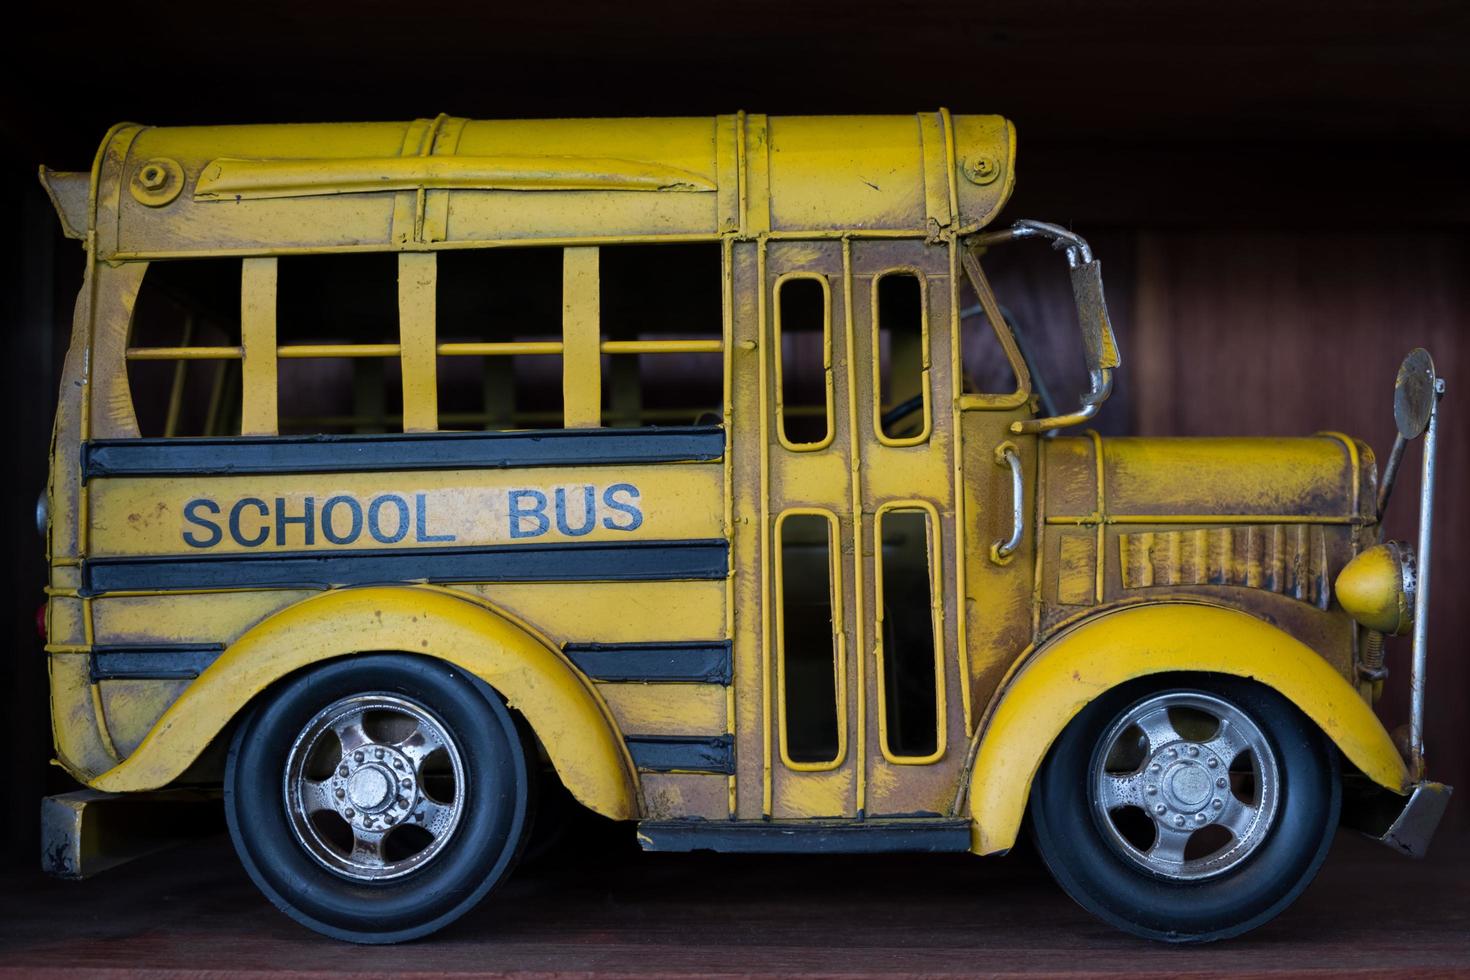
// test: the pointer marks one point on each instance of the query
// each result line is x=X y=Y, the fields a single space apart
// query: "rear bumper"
x=1409 y=830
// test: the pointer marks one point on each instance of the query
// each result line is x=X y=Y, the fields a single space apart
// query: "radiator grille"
x=1290 y=559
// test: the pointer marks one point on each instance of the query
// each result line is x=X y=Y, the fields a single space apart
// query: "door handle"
x=1002 y=550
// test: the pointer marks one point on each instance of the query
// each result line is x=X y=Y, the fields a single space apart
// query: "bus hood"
x=1328 y=478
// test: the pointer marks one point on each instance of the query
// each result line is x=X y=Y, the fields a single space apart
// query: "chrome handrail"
x=1001 y=550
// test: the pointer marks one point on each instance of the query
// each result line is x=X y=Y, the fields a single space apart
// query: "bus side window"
x=908 y=636
x=808 y=641
x=803 y=361
x=499 y=337
x=663 y=323
x=901 y=367
x=338 y=367
x=183 y=358
x=985 y=366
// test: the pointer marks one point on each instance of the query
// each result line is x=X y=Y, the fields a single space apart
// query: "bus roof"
x=179 y=191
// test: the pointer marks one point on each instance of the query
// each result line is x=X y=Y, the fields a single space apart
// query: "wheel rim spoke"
x=1168 y=845
x=1237 y=818
x=315 y=795
x=350 y=733
x=422 y=743
x=367 y=848
x=1157 y=728
x=1226 y=743
x=433 y=817
x=1117 y=791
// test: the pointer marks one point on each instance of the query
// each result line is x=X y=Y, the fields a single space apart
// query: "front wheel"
x=1187 y=808
x=379 y=797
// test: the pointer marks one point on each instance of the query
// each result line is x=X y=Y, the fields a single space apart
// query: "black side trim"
x=806 y=836
x=682 y=753
x=705 y=662
x=210 y=456
x=597 y=561
x=152 y=661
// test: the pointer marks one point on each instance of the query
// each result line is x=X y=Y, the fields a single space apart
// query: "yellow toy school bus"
x=400 y=467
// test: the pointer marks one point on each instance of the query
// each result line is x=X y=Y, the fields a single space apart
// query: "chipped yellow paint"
x=570 y=719
x=1103 y=652
x=417 y=321
x=682 y=795
x=614 y=612
x=666 y=709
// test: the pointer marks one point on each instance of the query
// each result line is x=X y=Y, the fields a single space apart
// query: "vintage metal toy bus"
x=400 y=468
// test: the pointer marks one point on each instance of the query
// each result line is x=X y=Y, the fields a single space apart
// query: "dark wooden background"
x=1278 y=191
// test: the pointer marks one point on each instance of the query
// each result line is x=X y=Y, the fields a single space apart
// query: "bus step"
x=909 y=836
x=87 y=831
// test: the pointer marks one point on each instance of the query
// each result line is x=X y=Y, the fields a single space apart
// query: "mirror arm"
x=1102 y=387
x=1077 y=250
x=1390 y=477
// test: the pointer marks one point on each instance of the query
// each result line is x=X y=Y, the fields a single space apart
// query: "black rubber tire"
x=1119 y=892
x=483 y=849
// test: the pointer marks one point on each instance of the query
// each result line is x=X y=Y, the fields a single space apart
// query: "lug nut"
x=1199 y=818
x=377 y=753
x=407 y=783
x=348 y=813
x=1179 y=820
x=1213 y=762
x=1155 y=768
x=1159 y=809
x=342 y=771
x=341 y=792
x=1153 y=790
x=398 y=764
x=1220 y=782
x=1218 y=805
x=1193 y=750
x=357 y=756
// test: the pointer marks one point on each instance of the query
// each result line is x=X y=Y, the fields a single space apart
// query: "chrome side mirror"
x=1099 y=346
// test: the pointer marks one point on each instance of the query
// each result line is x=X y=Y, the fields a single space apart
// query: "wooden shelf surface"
x=605 y=910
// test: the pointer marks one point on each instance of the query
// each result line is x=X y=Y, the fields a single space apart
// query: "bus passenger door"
x=809 y=602
x=915 y=708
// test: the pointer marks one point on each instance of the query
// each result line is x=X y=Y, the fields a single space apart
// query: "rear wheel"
x=378 y=798
x=1187 y=809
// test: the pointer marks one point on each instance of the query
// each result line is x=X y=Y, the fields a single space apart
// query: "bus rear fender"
x=1073 y=668
x=572 y=722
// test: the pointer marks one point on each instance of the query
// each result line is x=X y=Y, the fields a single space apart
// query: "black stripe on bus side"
x=597 y=561
x=682 y=753
x=236 y=455
x=152 y=661
x=704 y=662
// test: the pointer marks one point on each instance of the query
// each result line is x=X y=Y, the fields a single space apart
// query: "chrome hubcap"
x=1185 y=785
x=374 y=787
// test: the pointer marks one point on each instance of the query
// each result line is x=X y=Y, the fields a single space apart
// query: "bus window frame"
x=839 y=637
x=980 y=283
x=827 y=360
x=925 y=362
x=936 y=623
x=418 y=353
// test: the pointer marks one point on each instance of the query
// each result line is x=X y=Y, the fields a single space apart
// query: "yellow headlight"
x=1377 y=588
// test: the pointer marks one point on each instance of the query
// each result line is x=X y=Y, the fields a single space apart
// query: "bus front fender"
x=570 y=719
x=1072 y=669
